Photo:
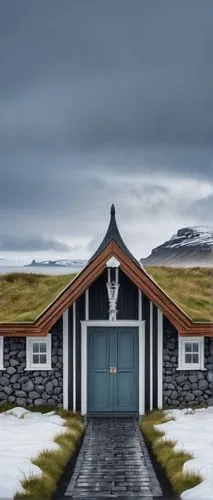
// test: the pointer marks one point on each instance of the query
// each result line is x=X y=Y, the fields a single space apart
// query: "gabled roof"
x=111 y=246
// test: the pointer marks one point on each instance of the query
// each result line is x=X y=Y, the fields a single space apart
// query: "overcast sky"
x=104 y=102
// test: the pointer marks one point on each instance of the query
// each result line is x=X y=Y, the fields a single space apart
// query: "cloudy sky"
x=101 y=102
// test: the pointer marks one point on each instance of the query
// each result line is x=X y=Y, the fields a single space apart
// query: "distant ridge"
x=59 y=263
x=190 y=246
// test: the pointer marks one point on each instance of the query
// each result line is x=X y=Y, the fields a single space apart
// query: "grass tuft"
x=52 y=462
x=6 y=407
x=37 y=487
x=172 y=461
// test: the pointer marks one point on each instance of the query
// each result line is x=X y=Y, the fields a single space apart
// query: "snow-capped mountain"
x=190 y=246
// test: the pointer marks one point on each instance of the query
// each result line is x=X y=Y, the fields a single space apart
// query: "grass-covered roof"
x=190 y=288
x=23 y=296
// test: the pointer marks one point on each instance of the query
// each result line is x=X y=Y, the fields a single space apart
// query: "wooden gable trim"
x=86 y=277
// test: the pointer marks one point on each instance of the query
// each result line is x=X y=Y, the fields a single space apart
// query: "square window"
x=191 y=353
x=39 y=353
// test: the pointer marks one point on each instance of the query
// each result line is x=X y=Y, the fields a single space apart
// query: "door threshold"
x=112 y=414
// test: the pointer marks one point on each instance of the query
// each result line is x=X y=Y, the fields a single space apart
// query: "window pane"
x=188 y=347
x=43 y=359
x=35 y=347
x=195 y=358
x=188 y=358
x=43 y=347
x=195 y=347
x=35 y=358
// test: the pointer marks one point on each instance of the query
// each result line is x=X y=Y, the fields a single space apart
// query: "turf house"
x=114 y=339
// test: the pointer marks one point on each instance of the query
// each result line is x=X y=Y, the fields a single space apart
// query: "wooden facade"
x=133 y=306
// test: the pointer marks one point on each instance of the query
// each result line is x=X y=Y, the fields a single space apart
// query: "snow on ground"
x=22 y=439
x=193 y=431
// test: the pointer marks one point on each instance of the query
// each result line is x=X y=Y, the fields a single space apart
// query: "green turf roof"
x=190 y=288
x=23 y=296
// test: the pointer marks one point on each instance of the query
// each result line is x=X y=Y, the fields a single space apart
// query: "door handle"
x=113 y=370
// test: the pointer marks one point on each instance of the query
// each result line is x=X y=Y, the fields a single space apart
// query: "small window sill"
x=38 y=369
x=191 y=368
x=2 y=369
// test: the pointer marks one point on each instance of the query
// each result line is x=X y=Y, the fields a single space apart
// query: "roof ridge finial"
x=112 y=210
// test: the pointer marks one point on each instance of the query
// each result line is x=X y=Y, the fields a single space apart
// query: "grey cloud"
x=94 y=88
x=37 y=243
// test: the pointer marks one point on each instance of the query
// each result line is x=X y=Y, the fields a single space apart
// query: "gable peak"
x=113 y=234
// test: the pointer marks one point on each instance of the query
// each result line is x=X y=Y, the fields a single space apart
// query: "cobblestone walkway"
x=113 y=463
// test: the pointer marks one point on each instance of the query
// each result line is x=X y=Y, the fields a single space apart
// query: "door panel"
x=125 y=392
x=127 y=370
x=125 y=346
x=118 y=348
x=100 y=351
x=99 y=392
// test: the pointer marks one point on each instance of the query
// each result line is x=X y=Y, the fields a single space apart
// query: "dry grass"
x=171 y=461
x=190 y=288
x=23 y=296
x=52 y=462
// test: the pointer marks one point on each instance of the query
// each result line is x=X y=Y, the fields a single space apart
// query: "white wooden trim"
x=141 y=331
x=190 y=366
x=2 y=353
x=114 y=323
x=65 y=360
x=38 y=367
x=151 y=355
x=74 y=355
x=160 y=359
x=139 y=305
x=84 y=367
x=87 y=304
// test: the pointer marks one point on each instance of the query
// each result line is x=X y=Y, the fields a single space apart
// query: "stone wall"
x=185 y=387
x=32 y=387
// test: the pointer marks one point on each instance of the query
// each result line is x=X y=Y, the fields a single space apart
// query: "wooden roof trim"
x=86 y=277
x=75 y=289
x=153 y=291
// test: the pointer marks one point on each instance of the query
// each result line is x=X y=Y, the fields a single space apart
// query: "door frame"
x=141 y=362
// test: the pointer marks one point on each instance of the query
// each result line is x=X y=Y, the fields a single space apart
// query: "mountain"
x=59 y=262
x=190 y=246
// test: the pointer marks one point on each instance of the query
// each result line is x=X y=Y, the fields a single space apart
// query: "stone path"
x=113 y=463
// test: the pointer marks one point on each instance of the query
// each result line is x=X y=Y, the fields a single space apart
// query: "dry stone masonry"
x=185 y=388
x=32 y=387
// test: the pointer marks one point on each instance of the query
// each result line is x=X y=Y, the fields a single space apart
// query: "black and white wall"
x=133 y=308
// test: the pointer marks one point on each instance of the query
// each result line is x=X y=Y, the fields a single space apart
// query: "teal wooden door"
x=115 y=348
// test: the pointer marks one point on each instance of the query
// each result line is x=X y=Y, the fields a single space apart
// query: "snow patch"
x=192 y=430
x=24 y=434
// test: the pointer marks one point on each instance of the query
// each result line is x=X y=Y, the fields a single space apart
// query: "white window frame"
x=181 y=353
x=2 y=353
x=29 y=353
